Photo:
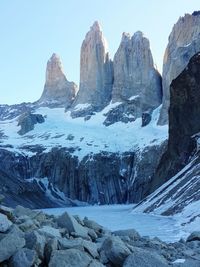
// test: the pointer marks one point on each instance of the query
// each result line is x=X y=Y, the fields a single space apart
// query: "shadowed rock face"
x=96 y=71
x=58 y=91
x=184 y=42
x=184 y=122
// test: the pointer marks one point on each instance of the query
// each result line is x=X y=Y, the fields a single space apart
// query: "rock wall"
x=184 y=122
x=104 y=178
x=184 y=42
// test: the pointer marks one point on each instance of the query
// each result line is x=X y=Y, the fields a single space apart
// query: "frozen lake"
x=116 y=217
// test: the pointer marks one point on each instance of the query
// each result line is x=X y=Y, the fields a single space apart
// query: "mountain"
x=137 y=86
x=58 y=91
x=96 y=74
x=180 y=195
x=102 y=144
x=184 y=42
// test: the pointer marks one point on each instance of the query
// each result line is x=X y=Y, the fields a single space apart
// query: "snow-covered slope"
x=84 y=136
x=180 y=197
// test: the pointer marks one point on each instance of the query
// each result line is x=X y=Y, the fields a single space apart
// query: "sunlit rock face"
x=134 y=71
x=96 y=71
x=57 y=89
x=137 y=83
x=184 y=42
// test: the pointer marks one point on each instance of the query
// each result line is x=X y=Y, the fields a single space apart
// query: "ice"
x=121 y=217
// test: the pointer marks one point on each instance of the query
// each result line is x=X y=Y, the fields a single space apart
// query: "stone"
x=184 y=42
x=93 y=225
x=27 y=122
x=69 y=258
x=5 y=224
x=96 y=263
x=36 y=241
x=24 y=257
x=96 y=73
x=78 y=243
x=144 y=258
x=58 y=91
x=20 y=211
x=49 y=231
x=135 y=76
x=131 y=233
x=194 y=236
x=49 y=248
x=69 y=222
x=11 y=243
x=115 y=250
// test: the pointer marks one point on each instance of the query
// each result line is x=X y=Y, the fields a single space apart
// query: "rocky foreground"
x=33 y=238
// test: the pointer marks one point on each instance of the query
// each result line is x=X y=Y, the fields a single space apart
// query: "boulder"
x=36 y=241
x=69 y=258
x=24 y=257
x=131 y=233
x=10 y=243
x=115 y=250
x=144 y=258
x=5 y=224
x=70 y=223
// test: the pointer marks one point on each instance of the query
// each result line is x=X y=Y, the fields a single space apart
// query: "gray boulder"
x=36 y=241
x=144 y=258
x=24 y=257
x=69 y=258
x=5 y=224
x=27 y=121
x=10 y=243
x=70 y=223
x=131 y=233
x=96 y=263
x=115 y=250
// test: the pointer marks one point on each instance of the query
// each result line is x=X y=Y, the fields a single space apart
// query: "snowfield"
x=120 y=217
x=85 y=137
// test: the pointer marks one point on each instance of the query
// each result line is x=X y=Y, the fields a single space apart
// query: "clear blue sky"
x=31 y=30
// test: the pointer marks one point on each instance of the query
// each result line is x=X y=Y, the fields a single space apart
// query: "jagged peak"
x=95 y=35
x=96 y=27
x=138 y=35
x=125 y=37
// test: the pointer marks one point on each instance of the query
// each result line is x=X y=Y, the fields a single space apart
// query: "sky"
x=32 y=30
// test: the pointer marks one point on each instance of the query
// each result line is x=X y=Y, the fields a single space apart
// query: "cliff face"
x=96 y=71
x=58 y=178
x=184 y=122
x=137 y=84
x=184 y=42
x=134 y=72
x=58 y=91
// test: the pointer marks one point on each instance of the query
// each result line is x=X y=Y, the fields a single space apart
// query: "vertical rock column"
x=96 y=71
x=57 y=89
